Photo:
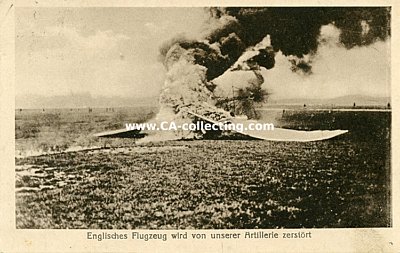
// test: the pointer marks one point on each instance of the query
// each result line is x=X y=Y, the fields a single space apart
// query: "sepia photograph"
x=199 y=127
x=203 y=118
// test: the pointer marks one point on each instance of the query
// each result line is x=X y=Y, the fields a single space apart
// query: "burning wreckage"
x=218 y=76
x=188 y=97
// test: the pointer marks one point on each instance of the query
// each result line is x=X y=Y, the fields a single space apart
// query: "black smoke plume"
x=236 y=30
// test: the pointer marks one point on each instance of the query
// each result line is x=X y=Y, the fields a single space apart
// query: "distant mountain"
x=81 y=100
x=349 y=100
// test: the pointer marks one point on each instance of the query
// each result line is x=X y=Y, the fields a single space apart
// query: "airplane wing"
x=277 y=134
x=121 y=133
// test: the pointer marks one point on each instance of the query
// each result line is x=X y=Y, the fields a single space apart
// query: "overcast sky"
x=113 y=52
x=104 y=51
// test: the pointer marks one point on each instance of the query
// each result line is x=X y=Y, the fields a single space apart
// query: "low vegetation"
x=343 y=182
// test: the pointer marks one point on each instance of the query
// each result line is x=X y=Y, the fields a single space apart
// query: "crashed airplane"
x=276 y=134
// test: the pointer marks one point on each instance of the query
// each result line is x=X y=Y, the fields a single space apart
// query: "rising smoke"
x=245 y=41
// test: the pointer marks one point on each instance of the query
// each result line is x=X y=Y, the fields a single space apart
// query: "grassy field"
x=343 y=182
x=56 y=130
